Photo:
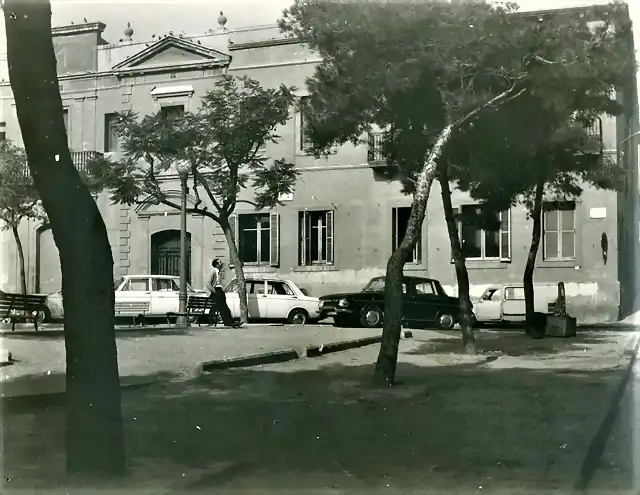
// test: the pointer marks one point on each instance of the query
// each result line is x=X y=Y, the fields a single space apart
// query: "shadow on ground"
x=508 y=342
x=320 y=425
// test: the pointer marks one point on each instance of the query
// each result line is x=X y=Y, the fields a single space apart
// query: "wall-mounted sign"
x=598 y=213
x=286 y=197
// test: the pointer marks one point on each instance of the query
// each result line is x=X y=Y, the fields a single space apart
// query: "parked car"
x=161 y=291
x=504 y=303
x=274 y=299
x=425 y=303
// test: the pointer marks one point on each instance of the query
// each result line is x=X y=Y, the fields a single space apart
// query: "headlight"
x=343 y=303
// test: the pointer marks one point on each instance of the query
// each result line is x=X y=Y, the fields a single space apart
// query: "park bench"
x=132 y=309
x=15 y=307
x=197 y=308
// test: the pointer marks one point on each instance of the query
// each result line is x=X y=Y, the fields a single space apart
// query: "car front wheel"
x=446 y=321
x=43 y=315
x=371 y=316
x=297 y=317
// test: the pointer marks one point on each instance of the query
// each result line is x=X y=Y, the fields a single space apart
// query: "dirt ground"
x=518 y=418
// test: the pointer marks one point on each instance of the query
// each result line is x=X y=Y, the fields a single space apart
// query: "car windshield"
x=375 y=285
x=305 y=291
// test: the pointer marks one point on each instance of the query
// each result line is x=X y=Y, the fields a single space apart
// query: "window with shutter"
x=316 y=237
x=484 y=243
x=400 y=220
x=254 y=238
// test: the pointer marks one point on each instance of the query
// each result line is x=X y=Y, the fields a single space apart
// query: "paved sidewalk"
x=40 y=360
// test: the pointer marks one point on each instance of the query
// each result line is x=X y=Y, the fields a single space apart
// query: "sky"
x=148 y=17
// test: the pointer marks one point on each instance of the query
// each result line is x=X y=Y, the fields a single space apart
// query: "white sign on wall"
x=598 y=213
x=286 y=197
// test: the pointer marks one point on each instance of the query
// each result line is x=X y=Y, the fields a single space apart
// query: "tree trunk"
x=466 y=308
x=536 y=234
x=94 y=432
x=23 y=276
x=234 y=258
x=385 y=370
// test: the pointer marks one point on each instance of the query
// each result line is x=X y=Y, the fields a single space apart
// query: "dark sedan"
x=425 y=303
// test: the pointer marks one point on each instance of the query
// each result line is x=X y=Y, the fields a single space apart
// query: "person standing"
x=214 y=285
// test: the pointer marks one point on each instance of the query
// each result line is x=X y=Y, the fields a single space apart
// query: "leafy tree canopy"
x=220 y=144
x=18 y=196
x=412 y=67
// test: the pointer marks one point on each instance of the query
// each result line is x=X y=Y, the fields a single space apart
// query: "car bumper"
x=331 y=312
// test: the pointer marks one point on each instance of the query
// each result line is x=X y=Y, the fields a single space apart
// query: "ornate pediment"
x=172 y=54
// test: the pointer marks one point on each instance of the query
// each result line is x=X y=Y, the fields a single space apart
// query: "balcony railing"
x=374 y=153
x=81 y=158
x=595 y=133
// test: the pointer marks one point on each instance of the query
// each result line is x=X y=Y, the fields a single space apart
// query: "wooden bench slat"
x=20 y=303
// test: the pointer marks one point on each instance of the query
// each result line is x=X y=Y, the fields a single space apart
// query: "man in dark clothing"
x=214 y=284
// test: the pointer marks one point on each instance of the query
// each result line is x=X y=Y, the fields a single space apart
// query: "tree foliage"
x=425 y=71
x=19 y=197
x=221 y=143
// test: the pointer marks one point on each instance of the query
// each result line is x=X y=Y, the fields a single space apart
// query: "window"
x=254 y=238
x=257 y=237
x=172 y=111
x=257 y=287
x=164 y=285
x=559 y=231
x=111 y=139
x=377 y=285
x=514 y=294
x=316 y=238
x=400 y=220
x=491 y=295
x=484 y=243
x=279 y=288
x=3 y=131
x=65 y=116
x=304 y=143
x=425 y=288
x=137 y=285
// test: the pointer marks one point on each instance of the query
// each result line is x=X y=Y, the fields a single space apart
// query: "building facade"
x=347 y=212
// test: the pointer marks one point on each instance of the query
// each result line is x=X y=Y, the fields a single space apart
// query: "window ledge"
x=316 y=268
x=414 y=267
x=259 y=269
x=487 y=264
x=556 y=264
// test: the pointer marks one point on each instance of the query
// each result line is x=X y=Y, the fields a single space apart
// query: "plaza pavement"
x=518 y=418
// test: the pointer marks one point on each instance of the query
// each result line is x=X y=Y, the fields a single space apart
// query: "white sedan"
x=160 y=292
x=274 y=299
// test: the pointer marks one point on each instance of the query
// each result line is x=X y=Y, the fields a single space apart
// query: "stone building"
x=346 y=215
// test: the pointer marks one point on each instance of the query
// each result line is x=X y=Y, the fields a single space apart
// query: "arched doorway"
x=165 y=253
x=48 y=273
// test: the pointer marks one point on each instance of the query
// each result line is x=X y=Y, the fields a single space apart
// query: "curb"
x=59 y=332
x=613 y=326
x=599 y=440
x=285 y=355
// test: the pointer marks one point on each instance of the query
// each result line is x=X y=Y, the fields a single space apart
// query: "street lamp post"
x=183 y=169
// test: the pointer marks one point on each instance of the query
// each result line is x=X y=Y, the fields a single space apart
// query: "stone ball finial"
x=128 y=32
x=222 y=19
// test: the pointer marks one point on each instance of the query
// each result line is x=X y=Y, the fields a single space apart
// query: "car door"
x=257 y=300
x=489 y=307
x=136 y=289
x=421 y=302
x=165 y=296
x=513 y=306
x=280 y=299
x=233 y=298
